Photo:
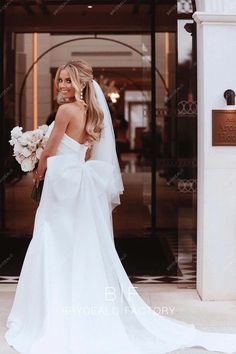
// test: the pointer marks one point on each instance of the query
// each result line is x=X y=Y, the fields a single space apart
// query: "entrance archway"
x=82 y=39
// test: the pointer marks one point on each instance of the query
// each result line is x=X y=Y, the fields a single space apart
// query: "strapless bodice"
x=70 y=146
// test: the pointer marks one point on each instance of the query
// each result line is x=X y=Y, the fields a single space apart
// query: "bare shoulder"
x=63 y=111
x=75 y=107
x=69 y=110
x=66 y=108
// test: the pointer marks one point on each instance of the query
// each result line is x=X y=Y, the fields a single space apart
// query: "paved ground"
x=182 y=304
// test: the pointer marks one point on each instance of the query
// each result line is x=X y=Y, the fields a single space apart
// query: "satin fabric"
x=73 y=295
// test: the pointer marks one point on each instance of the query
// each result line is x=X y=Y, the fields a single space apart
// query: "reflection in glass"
x=122 y=65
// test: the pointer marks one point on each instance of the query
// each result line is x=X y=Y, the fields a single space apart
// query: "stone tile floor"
x=166 y=299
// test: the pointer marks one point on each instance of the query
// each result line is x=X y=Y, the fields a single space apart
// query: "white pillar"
x=216 y=60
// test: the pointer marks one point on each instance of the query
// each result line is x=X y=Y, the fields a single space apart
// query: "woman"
x=73 y=295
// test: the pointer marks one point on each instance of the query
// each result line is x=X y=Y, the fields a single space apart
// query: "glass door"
x=142 y=57
x=176 y=153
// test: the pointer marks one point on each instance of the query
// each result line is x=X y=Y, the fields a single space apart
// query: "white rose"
x=37 y=136
x=25 y=138
x=17 y=148
x=16 y=132
x=19 y=158
x=39 y=152
x=29 y=134
x=13 y=141
x=27 y=165
x=44 y=128
x=26 y=152
x=32 y=147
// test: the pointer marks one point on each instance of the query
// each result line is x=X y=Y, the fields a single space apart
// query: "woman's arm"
x=62 y=119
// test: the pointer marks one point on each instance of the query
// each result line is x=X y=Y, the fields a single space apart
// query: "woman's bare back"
x=76 y=127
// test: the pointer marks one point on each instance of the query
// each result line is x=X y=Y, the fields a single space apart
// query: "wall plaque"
x=223 y=127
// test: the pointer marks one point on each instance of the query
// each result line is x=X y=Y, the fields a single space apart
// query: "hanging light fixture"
x=109 y=88
x=114 y=96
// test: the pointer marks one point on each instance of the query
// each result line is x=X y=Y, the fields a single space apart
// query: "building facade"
x=216 y=276
x=164 y=67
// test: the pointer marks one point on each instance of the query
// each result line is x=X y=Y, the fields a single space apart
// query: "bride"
x=73 y=295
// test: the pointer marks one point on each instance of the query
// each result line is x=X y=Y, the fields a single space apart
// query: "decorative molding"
x=187 y=185
x=214 y=18
x=187 y=108
x=177 y=162
x=184 y=6
x=216 y=6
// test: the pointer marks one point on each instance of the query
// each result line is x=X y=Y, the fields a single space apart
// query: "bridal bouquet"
x=27 y=149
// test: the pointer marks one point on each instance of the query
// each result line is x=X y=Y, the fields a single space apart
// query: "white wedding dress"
x=73 y=295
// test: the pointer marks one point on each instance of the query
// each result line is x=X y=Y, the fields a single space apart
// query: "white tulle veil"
x=105 y=148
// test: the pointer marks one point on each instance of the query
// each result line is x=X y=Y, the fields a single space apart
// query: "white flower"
x=16 y=132
x=27 y=165
x=13 y=141
x=39 y=152
x=17 y=148
x=26 y=152
x=32 y=146
x=44 y=128
x=19 y=158
x=28 y=146
x=37 y=136
x=25 y=138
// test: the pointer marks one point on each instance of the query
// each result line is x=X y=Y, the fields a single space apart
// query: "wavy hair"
x=81 y=72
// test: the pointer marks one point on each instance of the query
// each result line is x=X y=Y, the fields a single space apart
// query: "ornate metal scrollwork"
x=187 y=108
x=187 y=185
x=185 y=6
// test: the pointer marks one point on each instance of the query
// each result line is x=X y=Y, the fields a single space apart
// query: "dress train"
x=73 y=295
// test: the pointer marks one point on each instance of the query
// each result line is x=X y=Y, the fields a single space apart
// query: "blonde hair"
x=81 y=72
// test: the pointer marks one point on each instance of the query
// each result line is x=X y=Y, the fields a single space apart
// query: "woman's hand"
x=37 y=177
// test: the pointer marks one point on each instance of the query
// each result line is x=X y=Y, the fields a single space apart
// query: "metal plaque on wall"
x=223 y=127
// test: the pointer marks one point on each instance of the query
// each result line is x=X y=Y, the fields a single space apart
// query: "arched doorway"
x=169 y=198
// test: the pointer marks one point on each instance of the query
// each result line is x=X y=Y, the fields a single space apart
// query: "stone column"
x=216 y=57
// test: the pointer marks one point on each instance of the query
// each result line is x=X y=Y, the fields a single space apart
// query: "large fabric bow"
x=65 y=174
